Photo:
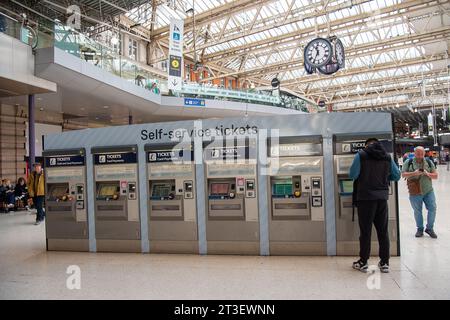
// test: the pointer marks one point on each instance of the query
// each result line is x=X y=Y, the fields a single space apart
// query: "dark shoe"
x=384 y=266
x=419 y=233
x=431 y=233
x=360 y=265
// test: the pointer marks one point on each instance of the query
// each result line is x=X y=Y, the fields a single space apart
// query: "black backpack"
x=410 y=163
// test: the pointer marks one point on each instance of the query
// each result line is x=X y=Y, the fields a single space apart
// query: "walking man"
x=419 y=172
x=36 y=190
x=372 y=169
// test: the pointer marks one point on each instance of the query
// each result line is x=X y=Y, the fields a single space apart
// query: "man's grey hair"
x=419 y=148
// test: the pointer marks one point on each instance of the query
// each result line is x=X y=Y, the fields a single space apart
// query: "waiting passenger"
x=36 y=189
x=21 y=191
x=419 y=172
x=8 y=190
x=372 y=169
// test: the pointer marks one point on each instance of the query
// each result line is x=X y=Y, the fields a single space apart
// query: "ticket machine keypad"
x=188 y=190
x=132 y=191
x=250 y=188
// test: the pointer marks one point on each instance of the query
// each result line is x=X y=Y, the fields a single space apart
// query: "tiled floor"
x=28 y=271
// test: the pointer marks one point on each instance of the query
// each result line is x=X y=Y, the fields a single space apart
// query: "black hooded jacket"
x=373 y=180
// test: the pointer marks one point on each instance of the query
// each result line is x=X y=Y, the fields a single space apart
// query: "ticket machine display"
x=65 y=200
x=347 y=228
x=232 y=197
x=117 y=225
x=296 y=205
x=172 y=199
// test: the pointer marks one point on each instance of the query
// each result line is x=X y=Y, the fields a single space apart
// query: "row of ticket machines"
x=295 y=198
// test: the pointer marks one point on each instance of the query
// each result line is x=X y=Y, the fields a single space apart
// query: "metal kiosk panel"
x=172 y=208
x=65 y=200
x=296 y=197
x=232 y=224
x=117 y=223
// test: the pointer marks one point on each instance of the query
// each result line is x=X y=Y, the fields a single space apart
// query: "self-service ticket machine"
x=172 y=199
x=65 y=200
x=117 y=226
x=296 y=200
x=232 y=225
x=347 y=228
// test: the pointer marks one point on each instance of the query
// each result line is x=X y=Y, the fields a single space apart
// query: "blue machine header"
x=229 y=153
x=115 y=158
x=170 y=155
x=64 y=161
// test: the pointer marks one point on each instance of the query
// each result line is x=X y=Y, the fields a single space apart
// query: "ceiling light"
x=114 y=41
x=105 y=107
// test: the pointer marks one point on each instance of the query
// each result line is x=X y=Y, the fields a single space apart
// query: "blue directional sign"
x=192 y=102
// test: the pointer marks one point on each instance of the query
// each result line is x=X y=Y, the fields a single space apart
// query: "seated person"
x=2 y=195
x=8 y=193
x=21 y=191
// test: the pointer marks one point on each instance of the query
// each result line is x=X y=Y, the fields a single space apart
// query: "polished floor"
x=27 y=271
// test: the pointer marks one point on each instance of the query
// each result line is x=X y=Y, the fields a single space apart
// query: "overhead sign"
x=230 y=153
x=115 y=158
x=64 y=161
x=296 y=149
x=192 y=102
x=170 y=155
x=175 y=54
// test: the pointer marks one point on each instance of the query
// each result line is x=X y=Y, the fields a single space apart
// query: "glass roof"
x=272 y=33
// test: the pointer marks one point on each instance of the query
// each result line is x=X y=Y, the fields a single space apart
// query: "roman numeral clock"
x=324 y=55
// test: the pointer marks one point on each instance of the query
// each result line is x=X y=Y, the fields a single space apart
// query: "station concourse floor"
x=27 y=271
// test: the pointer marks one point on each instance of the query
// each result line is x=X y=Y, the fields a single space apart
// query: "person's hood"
x=376 y=151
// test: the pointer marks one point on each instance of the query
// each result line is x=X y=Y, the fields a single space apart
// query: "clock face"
x=340 y=55
x=318 y=52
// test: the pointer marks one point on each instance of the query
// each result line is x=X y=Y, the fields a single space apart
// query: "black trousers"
x=373 y=212
x=39 y=205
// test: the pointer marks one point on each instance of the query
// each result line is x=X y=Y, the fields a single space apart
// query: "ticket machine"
x=172 y=199
x=232 y=225
x=65 y=200
x=296 y=199
x=347 y=228
x=117 y=226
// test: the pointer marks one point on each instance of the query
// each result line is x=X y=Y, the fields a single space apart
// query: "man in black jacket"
x=372 y=169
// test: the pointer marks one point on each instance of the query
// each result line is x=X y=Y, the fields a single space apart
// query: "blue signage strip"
x=115 y=158
x=229 y=153
x=170 y=155
x=192 y=102
x=64 y=161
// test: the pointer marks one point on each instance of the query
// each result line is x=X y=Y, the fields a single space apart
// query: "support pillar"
x=31 y=131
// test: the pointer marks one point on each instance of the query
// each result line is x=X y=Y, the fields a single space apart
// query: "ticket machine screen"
x=108 y=190
x=282 y=188
x=161 y=190
x=346 y=186
x=58 y=191
x=219 y=188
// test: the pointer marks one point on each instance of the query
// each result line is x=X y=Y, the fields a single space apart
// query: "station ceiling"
x=397 y=51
